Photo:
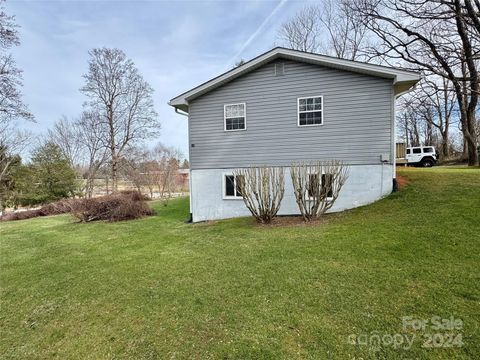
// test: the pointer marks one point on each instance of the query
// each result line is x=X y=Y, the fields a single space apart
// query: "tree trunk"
x=114 y=172
x=469 y=68
x=444 y=151
x=467 y=120
x=471 y=150
x=464 y=156
x=470 y=137
x=113 y=151
x=90 y=184
x=106 y=183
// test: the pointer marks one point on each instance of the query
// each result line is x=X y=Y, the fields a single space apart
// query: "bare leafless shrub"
x=134 y=195
x=20 y=215
x=123 y=205
x=114 y=207
x=317 y=186
x=262 y=190
x=58 y=207
x=63 y=206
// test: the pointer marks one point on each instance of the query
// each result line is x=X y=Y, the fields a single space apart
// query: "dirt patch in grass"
x=401 y=182
x=297 y=220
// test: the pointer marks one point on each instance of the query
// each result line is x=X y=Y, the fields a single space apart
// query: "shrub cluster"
x=115 y=207
x=124 y=205
x=20 y=215
x=316 y=187
x=56 y=208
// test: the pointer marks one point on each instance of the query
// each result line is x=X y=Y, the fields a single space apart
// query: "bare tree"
x=14 y=144
x=12 y=108
x=303 y=31
x=436 y=37
x=436 y=103
x=330 y=27
x=185 y=164
x=426 y=114
x=82 y=142
x=262 y=190
x=104 y=172
x=151 y=171
x=10 y=150
x=90 y=134
x=11 y=104
x=317 y=186
x=168 y=160
x=408 y=121
x=133 y=167
x=347 y=35
x=66 y=135
x=123 y=101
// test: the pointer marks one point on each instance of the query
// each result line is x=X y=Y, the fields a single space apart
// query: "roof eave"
x=403 y=80
x=403 y=86
x=180 y=105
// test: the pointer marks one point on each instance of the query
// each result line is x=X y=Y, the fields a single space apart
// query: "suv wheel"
x=427 y=162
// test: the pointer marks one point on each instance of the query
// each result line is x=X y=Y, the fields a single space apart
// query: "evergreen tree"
x=49 y=177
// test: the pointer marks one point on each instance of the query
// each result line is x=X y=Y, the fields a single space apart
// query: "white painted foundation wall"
x=365 y=184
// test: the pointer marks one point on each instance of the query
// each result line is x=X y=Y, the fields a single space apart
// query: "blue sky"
x=175 y=44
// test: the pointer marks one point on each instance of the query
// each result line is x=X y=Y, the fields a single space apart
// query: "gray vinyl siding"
x=357 y=119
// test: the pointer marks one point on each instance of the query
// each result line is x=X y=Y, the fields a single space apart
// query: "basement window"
x=235 y=117
x=230 y=190
x=310 y=111
x=326 y=185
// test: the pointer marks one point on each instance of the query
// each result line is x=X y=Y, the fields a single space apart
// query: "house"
x=285 y=107
x=183 y=178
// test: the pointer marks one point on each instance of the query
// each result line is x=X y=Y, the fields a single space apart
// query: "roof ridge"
x=325 y=60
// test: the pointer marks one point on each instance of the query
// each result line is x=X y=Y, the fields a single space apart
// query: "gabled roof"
x=402 y=79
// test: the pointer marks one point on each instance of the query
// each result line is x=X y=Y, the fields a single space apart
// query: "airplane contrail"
x=257 y=32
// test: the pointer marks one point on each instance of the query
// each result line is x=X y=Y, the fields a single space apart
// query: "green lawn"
x=160 y=288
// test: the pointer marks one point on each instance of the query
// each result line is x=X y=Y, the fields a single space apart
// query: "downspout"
x=394 y=143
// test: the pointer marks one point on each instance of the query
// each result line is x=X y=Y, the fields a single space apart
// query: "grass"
x=160 y=288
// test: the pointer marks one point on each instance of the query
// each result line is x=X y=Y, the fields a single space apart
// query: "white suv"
x=425 y=156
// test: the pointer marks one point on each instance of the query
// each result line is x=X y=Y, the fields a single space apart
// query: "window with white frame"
x=230 y=186
x=234 y=116
x=310 y=111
